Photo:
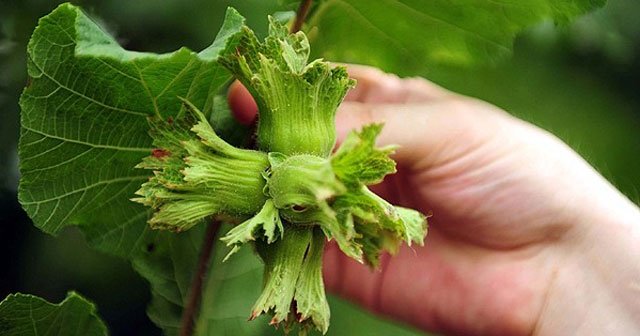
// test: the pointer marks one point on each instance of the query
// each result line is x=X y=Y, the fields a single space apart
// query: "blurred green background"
x=579 y=81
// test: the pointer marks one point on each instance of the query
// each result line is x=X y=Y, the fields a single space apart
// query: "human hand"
x=520 y=227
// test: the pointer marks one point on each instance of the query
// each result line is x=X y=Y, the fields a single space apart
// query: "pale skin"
x=525 y=239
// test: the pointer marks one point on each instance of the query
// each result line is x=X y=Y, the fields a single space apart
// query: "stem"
x=195 y=293
x=301 y=15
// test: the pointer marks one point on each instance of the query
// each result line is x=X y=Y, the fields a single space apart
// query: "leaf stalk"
x=301 y=15
x=195 y=292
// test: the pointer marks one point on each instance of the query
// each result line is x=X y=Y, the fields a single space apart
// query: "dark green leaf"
x=410 y=36
x=230 y=291
x=168 y=261
x=29 y=315
x=84 y=122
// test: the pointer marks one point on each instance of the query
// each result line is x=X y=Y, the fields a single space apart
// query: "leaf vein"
x=115 y=180
x=81 y=95
x=120 y=148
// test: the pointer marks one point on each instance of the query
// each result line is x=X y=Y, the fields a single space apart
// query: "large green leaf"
x=409 y=36
x=233 y=287
x=168 y=262
x=84 y=123
x=28 y=315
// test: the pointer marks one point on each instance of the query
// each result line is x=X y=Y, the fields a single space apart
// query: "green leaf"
x=410 y=36
x=27 y=315
x=84 y=122
x=230 y=291
x=168 y=262
x=349 y=319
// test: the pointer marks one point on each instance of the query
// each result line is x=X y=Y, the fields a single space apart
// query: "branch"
x=195 y=293
x=301 y=15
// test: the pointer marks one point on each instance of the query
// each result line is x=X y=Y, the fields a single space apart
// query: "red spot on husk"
x=159 y=153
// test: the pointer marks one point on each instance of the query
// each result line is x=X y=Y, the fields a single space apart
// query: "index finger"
x=375 y=86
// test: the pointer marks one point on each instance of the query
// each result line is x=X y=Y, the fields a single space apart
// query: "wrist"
x=596 y=289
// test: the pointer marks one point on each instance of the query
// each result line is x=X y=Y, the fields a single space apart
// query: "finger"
x=428 y=287
x=427 y=134
x=375 y=86
x=402 y=126
x=242 y=105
